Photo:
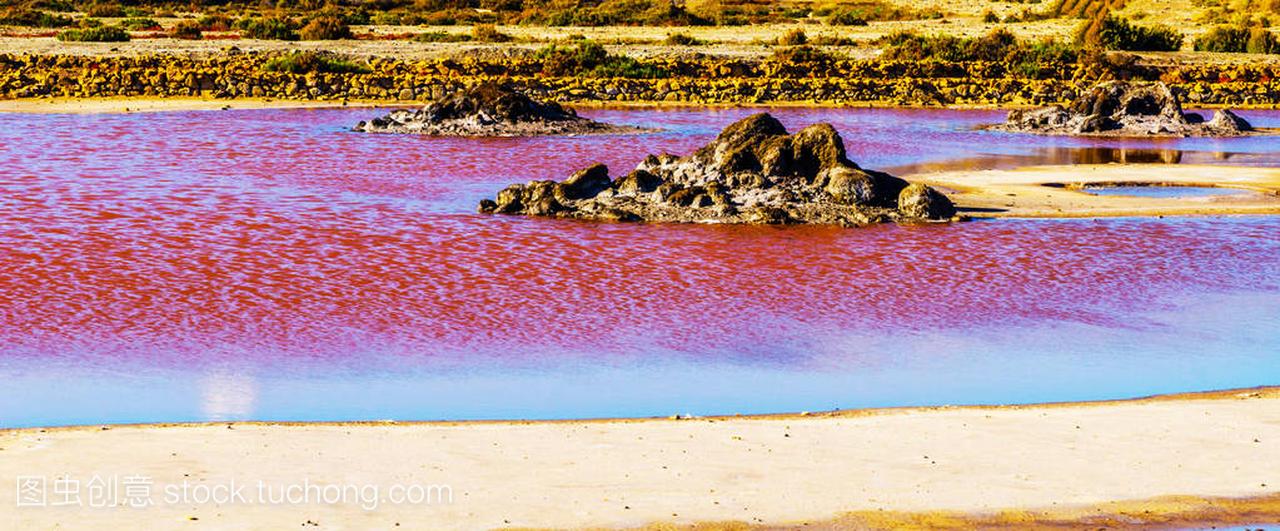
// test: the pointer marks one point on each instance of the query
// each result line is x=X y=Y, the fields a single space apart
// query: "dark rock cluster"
x=753 y=172
x=1121 y=108
x=489 y=109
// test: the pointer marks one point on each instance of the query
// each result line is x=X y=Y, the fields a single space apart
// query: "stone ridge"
x=1121 y=108
x=489 y=109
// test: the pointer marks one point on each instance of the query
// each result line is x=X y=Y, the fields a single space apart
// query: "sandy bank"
x=849 y=468
x=1053 y=191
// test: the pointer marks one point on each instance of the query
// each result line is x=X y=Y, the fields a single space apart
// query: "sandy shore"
x=1054 y=191
x=1207 y=457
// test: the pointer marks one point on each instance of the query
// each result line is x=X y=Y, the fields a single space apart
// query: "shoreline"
x=125 y=105
x=1190 y=458
x=131 y=104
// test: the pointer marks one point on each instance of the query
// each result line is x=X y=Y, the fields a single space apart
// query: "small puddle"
x=1165 y=192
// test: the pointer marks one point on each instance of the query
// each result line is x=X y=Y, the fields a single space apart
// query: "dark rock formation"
x=1120 y=108
x=754 y=172
x=489 y=109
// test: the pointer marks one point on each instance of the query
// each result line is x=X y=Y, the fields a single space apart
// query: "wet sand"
x=1187 y=459
x=1054 y=191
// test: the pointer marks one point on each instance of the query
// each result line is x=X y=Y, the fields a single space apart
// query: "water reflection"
x=1083 y=155
x=227 y=395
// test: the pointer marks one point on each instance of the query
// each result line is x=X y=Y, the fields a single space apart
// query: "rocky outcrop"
x=753 y=172
x=489 y=109
x=1121 y=108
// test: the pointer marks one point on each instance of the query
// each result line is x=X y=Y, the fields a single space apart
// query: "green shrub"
x=1118 y=34
x=60 y=6
x=1238 y=39
x=268 y=28
x=385 y=19
x=326 y=28
x=847 y=17
x=105 y=11
x=214 y=23
x=1028 y=58
x=795 y=37
x=31 y=18
x=488 y=33
x=355 y=17
x=187 y=30
x=304 y=62
x=98 y=34
x=990 y=17
x=139 y=24
x=1262 y=41
x=1231 y=39
x=590 y=59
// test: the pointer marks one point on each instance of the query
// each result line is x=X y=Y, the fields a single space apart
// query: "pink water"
x=272 y=265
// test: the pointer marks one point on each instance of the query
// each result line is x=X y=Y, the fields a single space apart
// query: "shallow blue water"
x=1166 y=192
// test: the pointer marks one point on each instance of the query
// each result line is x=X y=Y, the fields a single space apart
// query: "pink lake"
x=272 y=265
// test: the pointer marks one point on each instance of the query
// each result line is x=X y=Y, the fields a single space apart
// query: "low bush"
x=60 y=6
x=97 y=34
x=268 y=28
x=214 y=23
x=847 y=17
x=140 y=24
x=1238 y=39
x=795 y=37
x=1118 y=34
x=590 y=59
x=31 y=18
x=1027 y=58
x=304 y=62
x=385 y=19
x=105 y=11
x=325 y=28
x=187 y=30
x=488 y=33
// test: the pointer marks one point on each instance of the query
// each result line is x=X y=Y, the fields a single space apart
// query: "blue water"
x=1166 y=192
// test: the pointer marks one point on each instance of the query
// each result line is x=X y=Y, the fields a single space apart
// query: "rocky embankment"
x=490 y=109
x=695 y=80
x=753 y=172
x=1120 y=108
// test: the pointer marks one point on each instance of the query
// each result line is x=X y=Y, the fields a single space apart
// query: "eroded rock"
x=1121 y=108
x=753 y=172
x=489 y=109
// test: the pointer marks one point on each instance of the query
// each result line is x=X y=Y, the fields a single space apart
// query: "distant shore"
x=1179 y=460
x=128 y=104
x=1062 y=191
